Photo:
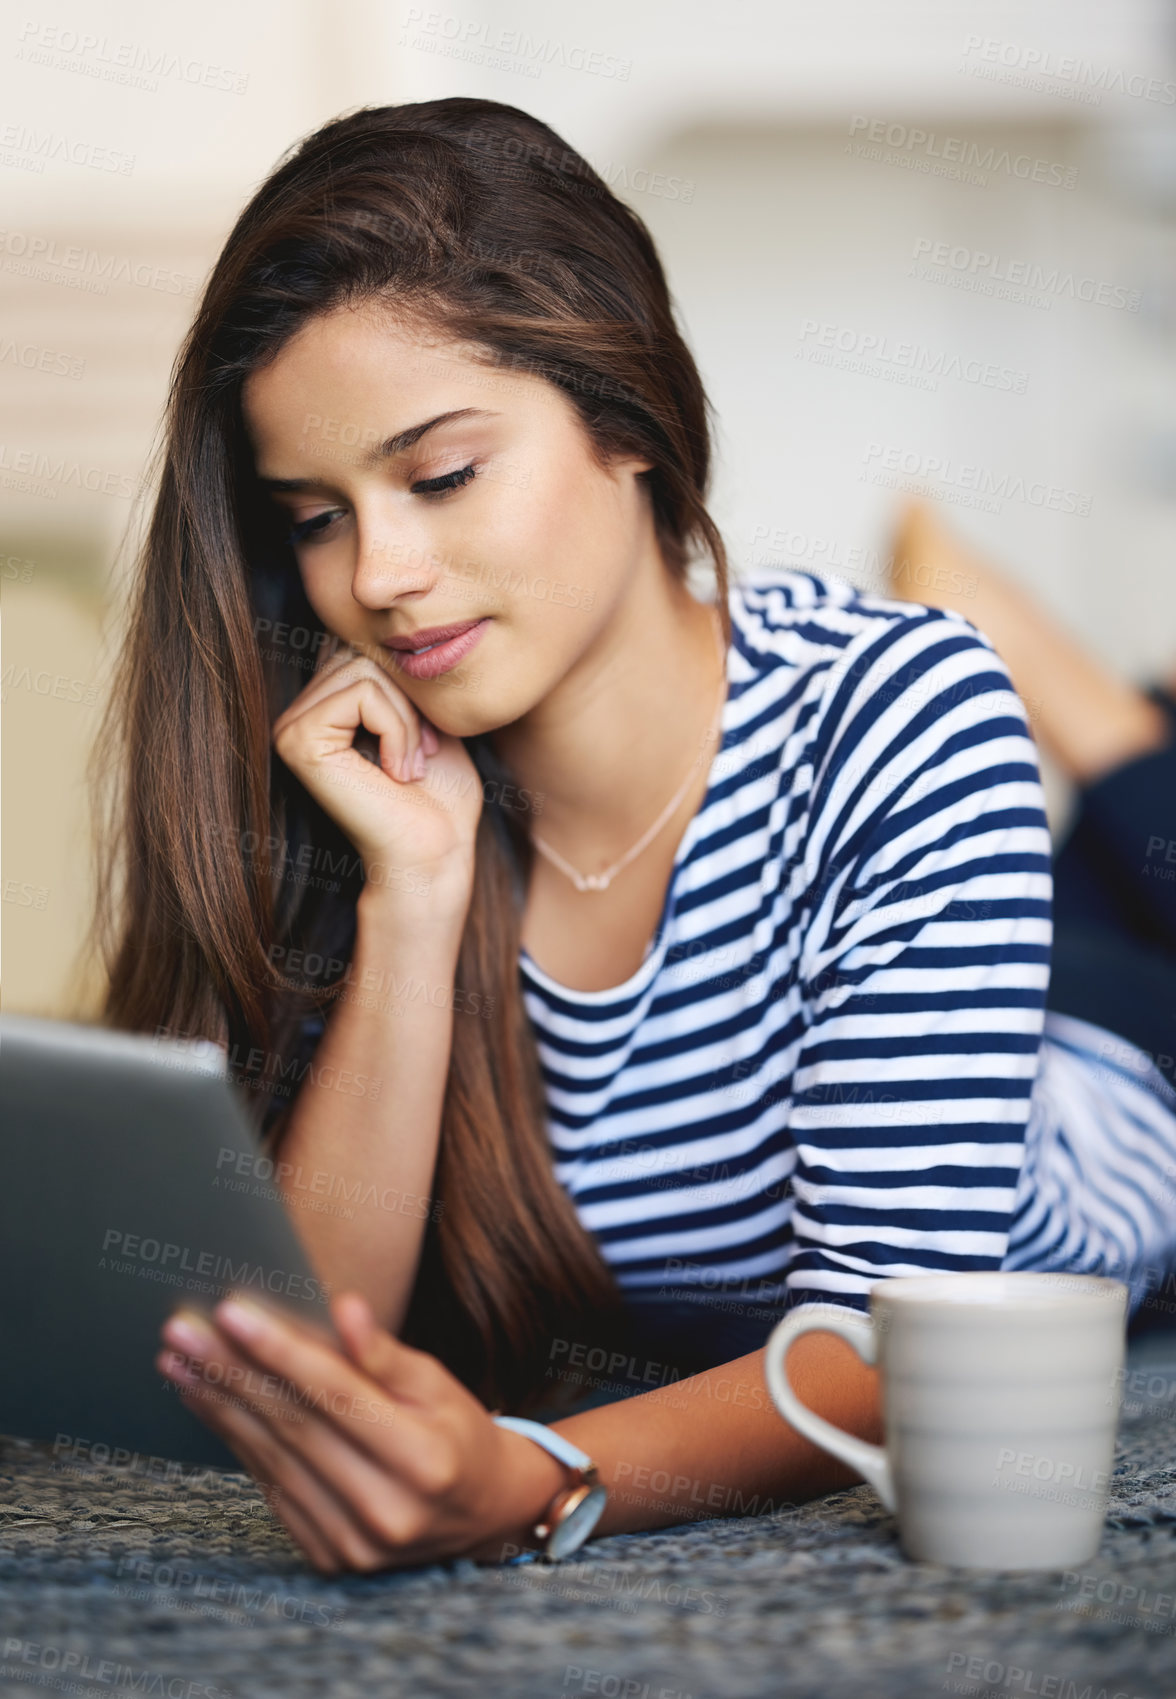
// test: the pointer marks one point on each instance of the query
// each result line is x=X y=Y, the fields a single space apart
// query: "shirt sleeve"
x=924 y=965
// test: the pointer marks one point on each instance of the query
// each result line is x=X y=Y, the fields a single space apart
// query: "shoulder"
x=809 y=619
x=865 y=661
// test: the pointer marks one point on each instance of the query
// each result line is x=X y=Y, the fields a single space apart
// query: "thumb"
x=395 y=1367
x=356 y=1325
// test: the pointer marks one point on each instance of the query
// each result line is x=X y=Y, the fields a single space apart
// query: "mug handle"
x=870 y=1461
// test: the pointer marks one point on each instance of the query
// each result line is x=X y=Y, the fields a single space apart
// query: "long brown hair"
x=482 y=222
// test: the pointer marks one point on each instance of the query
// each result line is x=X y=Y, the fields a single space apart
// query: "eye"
x=310 y=530
x=434 y=487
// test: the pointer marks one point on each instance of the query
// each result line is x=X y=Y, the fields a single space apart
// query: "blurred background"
x=917 y=246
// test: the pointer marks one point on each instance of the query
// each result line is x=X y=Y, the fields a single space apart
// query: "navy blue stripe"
x=694 y=1046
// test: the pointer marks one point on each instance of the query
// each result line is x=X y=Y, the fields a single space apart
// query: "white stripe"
x=808 y=931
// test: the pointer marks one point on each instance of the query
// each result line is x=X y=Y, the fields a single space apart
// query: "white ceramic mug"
x=999 y=1398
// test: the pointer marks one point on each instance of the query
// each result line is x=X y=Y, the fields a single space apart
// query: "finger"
x=329 y=721
x=304 y=1533
x=213 y=1367
x=340 y=662
x=355 y=1324
x=406 y=1373
x=414 y=1376
x=218 y=1414
x=342 y=657
x=312 y=1513
x=301 y=1383
x=345 y=666
x=358 y=1506
x=409 y=1445
x=330 y=653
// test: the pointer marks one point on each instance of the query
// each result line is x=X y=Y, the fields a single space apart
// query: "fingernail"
x=241 y=1318
x=429 y=739
x=177 y=1368
x=189 y=1333
x=418 y=764
x=404 y=771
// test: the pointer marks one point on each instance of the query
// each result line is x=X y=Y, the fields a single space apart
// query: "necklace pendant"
x=594 y=881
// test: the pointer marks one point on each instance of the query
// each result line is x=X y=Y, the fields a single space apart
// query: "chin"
x=467 y=713
x=469 y=709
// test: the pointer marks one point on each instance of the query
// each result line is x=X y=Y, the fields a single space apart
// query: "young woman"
x=672 y=962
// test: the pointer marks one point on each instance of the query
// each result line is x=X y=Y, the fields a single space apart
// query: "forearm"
x=713 y=1445
x=356 y=1168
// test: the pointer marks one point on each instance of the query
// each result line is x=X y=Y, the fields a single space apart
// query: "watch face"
x=579 y=1522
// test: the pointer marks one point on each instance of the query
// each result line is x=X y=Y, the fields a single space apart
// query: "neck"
x=609 y=746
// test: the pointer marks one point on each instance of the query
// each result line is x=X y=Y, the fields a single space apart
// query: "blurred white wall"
x=800 y=168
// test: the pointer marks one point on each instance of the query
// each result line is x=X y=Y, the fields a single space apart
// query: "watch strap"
x=556 y=1443
x=568 y=1500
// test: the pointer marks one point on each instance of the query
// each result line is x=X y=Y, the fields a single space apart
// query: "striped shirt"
x=835 y=1063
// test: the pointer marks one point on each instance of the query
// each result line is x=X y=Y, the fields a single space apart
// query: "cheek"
x=328 y=590
x=563 y=520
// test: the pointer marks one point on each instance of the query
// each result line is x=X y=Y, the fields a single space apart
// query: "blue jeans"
x=1114 y=951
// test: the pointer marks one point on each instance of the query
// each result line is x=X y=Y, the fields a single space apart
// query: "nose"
x=389 y=564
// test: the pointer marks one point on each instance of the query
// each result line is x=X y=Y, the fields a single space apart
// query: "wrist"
x=528 y=1479
x=432 y=905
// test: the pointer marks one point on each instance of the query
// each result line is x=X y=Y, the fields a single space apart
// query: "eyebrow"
x=386 y=449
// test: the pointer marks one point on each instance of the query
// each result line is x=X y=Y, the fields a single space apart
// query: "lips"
x=429 y=637
x=428 y=660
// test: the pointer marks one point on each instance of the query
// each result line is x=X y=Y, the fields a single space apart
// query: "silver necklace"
x=602 y=881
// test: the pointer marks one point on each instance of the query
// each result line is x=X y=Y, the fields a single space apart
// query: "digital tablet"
x=132 y=1182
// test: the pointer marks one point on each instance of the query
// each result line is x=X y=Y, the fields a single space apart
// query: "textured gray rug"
x=118 y=1581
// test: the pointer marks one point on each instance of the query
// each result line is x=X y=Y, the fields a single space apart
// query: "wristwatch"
x=574 y=1512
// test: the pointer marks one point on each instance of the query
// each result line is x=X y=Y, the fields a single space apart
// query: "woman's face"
x=533 y=537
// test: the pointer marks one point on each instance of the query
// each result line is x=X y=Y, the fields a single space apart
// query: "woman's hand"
x=419 y=807
x=375 y=1459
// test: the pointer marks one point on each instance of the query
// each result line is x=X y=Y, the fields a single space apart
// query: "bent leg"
x=1090 y=721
